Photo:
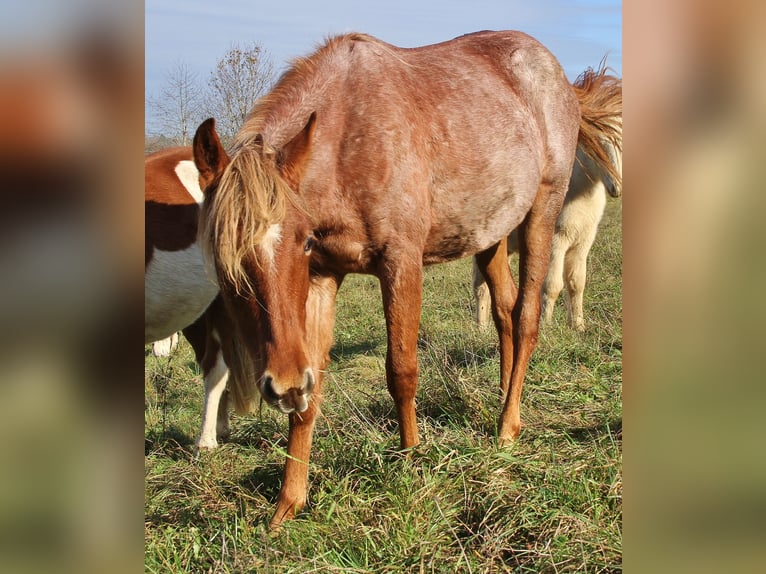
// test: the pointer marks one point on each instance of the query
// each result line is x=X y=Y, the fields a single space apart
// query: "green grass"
x=458 y=503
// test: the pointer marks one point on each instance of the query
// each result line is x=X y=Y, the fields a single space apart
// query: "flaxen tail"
x=600 y=96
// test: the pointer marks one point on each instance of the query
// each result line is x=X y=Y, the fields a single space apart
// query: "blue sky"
x=578 y=32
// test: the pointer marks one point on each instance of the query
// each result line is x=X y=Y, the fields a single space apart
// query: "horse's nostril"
x=267 y=389
x=308 y=381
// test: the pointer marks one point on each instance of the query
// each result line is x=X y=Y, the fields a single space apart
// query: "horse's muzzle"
x=613 y=190
x=293 y=399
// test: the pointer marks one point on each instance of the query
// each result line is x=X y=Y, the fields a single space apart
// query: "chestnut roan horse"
x=369 y=158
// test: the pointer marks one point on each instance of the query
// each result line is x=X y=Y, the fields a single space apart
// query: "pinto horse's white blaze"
x=189 y=176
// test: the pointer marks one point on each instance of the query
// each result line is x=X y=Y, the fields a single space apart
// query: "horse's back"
x=482 y=120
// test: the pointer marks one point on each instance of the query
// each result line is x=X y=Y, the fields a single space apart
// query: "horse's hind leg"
x=320 y=317
x=575 y=273
x=492 y=264
x=401 y=285
x=535 y=235
x=215 y=373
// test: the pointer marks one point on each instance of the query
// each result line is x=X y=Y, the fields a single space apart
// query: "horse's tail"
x=600 y=96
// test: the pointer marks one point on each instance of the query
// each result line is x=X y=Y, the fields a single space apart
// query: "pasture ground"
x=550 y=503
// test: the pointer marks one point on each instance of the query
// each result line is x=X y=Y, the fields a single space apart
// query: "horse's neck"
x=303 y=90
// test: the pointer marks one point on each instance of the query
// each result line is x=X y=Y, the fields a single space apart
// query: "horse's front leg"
x=292 y=496
x=402 y=284
x=320 y=316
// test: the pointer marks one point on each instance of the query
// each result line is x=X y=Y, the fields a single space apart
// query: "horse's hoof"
x=277 y=522
x=505 y=442
x=204 y=447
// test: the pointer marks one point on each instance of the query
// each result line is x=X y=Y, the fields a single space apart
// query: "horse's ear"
x=295 y=154
x=209 y=155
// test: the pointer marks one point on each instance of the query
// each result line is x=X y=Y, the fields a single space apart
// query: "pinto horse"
x=583 y=208
x=179 y=294
x=369 y=158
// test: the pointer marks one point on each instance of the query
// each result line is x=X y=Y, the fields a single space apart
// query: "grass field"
x=550 y=503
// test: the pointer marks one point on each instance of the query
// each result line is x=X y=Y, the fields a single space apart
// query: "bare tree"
x=179 y=107
x=241 y=76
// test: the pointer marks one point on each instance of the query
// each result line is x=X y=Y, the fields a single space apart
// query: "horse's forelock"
x=251 y=197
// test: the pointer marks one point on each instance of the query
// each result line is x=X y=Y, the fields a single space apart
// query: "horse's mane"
x=600 y=96
x=252 y=195
x=298 y=89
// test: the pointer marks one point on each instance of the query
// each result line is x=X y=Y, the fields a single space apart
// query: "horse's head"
x=260 y=237
x=614 y=184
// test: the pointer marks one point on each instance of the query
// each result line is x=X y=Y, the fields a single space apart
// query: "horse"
x=580 y=215
x=370 y=158
x=180 y=295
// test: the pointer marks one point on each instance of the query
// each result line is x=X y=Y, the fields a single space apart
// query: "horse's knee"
x=402 y=382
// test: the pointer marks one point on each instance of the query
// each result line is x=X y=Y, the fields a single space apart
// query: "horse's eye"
x=309 y=244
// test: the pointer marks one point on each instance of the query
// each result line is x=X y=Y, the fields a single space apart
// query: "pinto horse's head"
x=257 y=232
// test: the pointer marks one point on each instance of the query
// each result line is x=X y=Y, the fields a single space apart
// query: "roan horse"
x=179 y=294
x=583 y=208
x=369 y=158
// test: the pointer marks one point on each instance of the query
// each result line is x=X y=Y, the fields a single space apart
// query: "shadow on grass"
x=171 y=442
x=265 y=480
x=342 y=351
x=260 y=433
x=595 y=431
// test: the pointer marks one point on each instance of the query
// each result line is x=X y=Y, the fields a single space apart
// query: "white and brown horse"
x=583 y=209
x=369 y=158
x=179 y=294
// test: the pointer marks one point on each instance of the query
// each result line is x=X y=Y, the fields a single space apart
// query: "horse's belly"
x=474 y=228
x=177 y=290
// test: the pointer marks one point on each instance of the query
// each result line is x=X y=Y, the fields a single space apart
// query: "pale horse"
x=576 y=230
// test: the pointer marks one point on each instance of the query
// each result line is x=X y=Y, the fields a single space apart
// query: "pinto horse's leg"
x=320 y=318
x=493 y=265
x=535 y=236
x=401 y=283
x=215 y=413
x=215 y=373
